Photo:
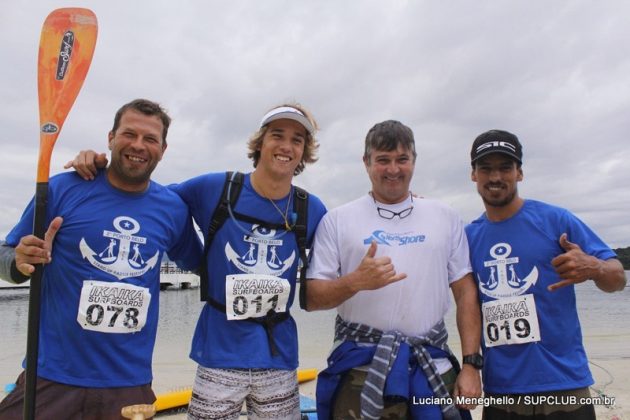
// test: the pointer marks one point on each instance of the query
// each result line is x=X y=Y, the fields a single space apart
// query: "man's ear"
x=110 y=137
x=520 y=174
x=164 y=146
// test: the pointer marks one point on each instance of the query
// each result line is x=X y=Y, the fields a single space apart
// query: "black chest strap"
x=229 y=196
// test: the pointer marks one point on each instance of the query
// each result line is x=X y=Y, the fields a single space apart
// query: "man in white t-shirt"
x=386 y=261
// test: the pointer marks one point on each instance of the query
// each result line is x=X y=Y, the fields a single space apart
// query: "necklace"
x=285 y=215
x=287 y=226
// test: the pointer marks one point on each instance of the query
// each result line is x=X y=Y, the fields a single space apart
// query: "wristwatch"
x=476 y=360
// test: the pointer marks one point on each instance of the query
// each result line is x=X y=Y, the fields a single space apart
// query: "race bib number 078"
x=253 y=295
x=112 y=307
x=510 y=321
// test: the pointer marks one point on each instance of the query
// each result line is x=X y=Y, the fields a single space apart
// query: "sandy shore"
x=610 y=364
x=606 y=341
x=609 y=356
x=620 y=392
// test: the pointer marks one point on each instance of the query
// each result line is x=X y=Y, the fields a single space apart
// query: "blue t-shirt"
x=532 y=340
x=100 y=293
x=252 y=263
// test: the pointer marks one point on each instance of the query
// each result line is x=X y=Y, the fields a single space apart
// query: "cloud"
x=553 y=73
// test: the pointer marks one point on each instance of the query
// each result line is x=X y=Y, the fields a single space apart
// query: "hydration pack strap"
x=229 y=196
x=268 y=322
x=233 y=185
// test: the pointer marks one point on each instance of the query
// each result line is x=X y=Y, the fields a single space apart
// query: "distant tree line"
x=624 y=257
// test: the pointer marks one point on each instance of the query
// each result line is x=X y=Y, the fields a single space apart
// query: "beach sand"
x=609 y=356
x=610 y=364
x=604 y=326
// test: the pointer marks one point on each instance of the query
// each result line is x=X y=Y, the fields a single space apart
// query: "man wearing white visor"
x=256 y=228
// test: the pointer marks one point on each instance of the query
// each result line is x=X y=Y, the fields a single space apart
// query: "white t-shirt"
x=429 y=245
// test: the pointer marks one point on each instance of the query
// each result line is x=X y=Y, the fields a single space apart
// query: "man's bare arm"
x=87 y=163
x=468 y=316
x=8 y=269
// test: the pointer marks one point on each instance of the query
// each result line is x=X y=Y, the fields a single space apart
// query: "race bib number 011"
x=510 y=321
x=253 y=295
x=111 y=307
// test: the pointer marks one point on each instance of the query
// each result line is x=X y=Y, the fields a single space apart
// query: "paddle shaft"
x=34 y=306
x=66 y=47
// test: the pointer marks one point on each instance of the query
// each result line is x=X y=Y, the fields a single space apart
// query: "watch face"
x=476 y=360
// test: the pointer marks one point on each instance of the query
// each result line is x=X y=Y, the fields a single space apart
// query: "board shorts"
x=347 y=403
x=59 y=401
x=556 y=405
x=267 y=394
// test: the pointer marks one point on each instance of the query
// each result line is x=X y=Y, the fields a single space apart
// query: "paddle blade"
x=66 y=48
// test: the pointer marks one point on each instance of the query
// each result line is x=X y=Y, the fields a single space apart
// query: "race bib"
x=511 y=320
x=111 y=307
x=253 y=295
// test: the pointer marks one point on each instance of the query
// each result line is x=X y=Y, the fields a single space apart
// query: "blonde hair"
x=310 y=145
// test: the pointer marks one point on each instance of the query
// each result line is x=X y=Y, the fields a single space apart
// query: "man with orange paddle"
x=98 y=318
x=99 y=310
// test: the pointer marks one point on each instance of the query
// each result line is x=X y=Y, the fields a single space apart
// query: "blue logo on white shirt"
x=400 y=239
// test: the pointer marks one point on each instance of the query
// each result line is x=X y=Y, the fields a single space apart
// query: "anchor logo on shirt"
x=262 y=255
x=122 y=257
x=503 y=280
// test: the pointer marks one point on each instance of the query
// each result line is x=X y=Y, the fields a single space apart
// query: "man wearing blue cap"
x=527 y=256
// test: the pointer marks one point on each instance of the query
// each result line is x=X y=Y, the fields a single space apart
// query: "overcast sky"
x=556 y=73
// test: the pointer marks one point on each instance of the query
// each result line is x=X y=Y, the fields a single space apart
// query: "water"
x=178 y=317
x=179 y=310
x=605 y=323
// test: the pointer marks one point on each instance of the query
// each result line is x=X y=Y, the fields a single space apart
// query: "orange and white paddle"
x=66 y=48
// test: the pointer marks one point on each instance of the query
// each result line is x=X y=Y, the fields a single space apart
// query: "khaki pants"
x=556 y=405
x=347 y=404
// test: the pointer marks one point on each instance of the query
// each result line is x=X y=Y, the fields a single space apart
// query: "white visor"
x=289 y=113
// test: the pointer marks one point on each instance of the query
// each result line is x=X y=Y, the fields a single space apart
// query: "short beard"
x=128 y=177
x=500 y=203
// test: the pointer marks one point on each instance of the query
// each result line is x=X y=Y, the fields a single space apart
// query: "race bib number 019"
x=253 y=295
x=510 y=321
x=111 y=307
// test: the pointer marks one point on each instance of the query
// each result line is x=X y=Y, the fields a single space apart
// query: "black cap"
x=496 y=141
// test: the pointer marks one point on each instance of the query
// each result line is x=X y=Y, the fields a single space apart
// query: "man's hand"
x=574 y=266
x=374 y=272
x=87 y=163
x=467 y=385
x=32 y=250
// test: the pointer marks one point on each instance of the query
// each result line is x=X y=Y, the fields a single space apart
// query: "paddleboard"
x=308 y=408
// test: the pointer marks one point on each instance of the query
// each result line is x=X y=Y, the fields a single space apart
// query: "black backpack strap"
x=255 y=221
x=300 y=206
x=232 y=186
x=231 y=191
x=268 y=322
